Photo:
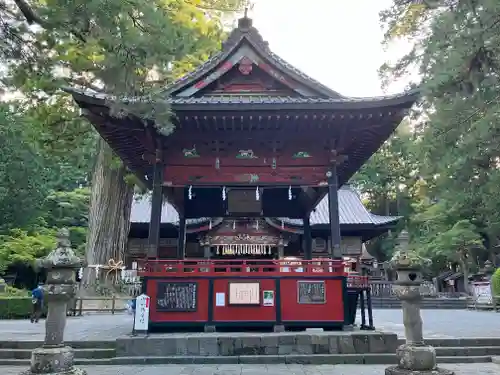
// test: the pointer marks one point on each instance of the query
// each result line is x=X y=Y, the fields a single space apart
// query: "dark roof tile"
x=235 y=101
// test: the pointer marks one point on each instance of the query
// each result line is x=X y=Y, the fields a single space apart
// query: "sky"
x=337 y=42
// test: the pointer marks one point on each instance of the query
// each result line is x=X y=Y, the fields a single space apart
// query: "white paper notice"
x=220 y=299
x=141 y=319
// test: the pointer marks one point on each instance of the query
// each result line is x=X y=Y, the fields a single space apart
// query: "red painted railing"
x=200 y=267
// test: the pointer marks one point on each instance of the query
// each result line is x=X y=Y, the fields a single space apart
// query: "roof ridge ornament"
x=245 y=28
x=245 y=23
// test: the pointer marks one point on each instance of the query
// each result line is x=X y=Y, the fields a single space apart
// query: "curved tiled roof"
x=245 y=31
x=236 y=100
x=351 y=211
x=141 y=212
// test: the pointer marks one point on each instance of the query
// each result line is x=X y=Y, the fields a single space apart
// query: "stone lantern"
x=488 y=270
x=61 y=265
x=414 y=357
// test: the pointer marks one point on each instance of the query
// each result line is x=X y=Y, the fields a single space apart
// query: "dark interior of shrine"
x=242 y=201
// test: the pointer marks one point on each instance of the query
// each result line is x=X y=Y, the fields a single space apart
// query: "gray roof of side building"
x=351 y=211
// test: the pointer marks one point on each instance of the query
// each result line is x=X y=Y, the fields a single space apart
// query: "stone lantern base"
x=416 y=360
x=395 y=370
x=56 y=361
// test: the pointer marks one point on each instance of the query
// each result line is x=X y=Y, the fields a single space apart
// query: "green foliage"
x=456 y=218
x=60 y=209
x=67 y=208
x=456 y=242
x=495 y=282
x=23 y=175
x=390 y=185
x=16 y=307
x=22 y=247
x=14 y=292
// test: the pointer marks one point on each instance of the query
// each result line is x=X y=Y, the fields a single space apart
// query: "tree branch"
x=33 y=18
x=29 y=14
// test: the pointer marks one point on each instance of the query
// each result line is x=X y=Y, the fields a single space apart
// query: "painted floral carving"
x=301 y=155
x=190 y=153
x=246 y=154
x=245 y=66
x=253 y=178
x=247 y=177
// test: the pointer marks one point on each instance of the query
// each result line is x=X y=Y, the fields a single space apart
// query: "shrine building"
x=252 y=173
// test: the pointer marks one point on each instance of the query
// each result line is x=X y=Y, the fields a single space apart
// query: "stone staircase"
x=468 y=350
x=86 y=352
x=465 y=350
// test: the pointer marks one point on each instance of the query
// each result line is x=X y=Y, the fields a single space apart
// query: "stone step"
x=317 y=359
x=104 y=344
x=465 y=359
x=79 y=353
x=473 y=351
x=461 y=342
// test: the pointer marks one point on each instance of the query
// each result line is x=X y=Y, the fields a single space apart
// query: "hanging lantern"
x=190 y=192
x=257 y=194
x=257 y=225
x=224 y=193
x=210 y=224
x=234 y=224
x=290 y=193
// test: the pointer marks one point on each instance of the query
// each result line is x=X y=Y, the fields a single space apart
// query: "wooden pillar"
x=281 y=251
x=333 y=205
x=207 y=252
x=181 y=240
x=307 y=238
x=156 y=206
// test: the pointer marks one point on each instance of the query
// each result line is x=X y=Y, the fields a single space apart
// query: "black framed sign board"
x=176 y=296
x=311 y=292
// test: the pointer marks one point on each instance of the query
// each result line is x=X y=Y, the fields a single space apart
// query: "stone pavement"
x=462 y=369
x=437 y=324
x=94 y=327
x=443 y=323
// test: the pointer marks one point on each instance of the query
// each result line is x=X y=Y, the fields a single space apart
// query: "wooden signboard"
x=176 y=296
x=311 y=292
x=243 y=201
x=244 y=293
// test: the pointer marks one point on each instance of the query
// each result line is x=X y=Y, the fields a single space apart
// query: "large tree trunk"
x=109 y=213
